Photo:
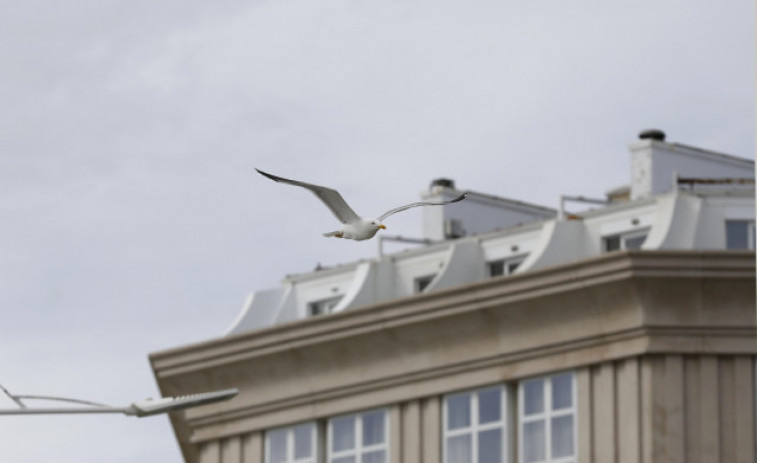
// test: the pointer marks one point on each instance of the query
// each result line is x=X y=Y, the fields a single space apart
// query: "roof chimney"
x=443 y=182
x=652 y=134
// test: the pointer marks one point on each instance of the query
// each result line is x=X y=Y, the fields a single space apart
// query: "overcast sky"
x=131 y=219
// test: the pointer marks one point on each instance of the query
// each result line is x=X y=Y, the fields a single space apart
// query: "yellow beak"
x=382 y=226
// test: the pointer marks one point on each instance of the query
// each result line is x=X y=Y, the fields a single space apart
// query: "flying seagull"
x=354 y=227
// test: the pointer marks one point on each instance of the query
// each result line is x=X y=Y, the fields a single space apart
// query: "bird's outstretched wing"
x=422 y=203
x=330 y=197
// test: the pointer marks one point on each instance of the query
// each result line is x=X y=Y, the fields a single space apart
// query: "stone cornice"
x=544 y=359
x=420 y=308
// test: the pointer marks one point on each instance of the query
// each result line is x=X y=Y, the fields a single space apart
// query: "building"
x=625 y=332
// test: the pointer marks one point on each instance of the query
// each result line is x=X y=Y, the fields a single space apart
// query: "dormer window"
x=323 y=306
x=504 y=266
x=624 y=241
x=421 y=283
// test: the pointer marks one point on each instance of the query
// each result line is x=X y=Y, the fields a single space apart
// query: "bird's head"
x=378 y=224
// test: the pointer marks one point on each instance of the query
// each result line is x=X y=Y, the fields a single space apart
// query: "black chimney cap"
x=652 y=134
x=443 y=182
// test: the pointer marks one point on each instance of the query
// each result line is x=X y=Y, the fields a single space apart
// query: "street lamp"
x=147 y=407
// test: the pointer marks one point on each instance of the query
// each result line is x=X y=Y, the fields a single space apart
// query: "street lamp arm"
x=13 y=398
x=61 y=410
x=60 y=399
x=140 y=409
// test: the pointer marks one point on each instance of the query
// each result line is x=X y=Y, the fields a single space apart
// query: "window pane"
x=458 y=411
x=562 y=391
x=378 y=456
x=612 y=243
x=343 y=460
x=533 y=441
x=489 y=405
x=303 y=441
x=373 y=428
x=490 y=446
x=736 y=234
x=277 y=445
x=497 y=268
x=562 y=436
x=635 y=242
x=343 y=433
x=513 y=266
x=533 y=396
x=459 y=449
x=422 y=282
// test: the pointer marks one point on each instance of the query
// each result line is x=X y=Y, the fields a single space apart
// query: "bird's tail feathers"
x=337 y=233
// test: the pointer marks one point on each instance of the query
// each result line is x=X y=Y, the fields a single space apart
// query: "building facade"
x=621 y=333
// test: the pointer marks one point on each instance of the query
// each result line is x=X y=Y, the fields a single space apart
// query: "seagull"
x=354 y=227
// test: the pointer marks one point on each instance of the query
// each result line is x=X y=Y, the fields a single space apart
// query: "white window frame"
x=474 y=428
x=623 y=238
x=324 y=305
x=358 y=451
x=506 y=264
x=289 y=430
x=546 y=416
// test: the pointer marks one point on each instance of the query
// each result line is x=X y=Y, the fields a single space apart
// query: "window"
x=360 y=438
x=422 y=282
x=474 y=426
x=323 y=306
x=632 y=240
x=295 y=444
x=547 y=412
x=504 y=266
x=739 y=234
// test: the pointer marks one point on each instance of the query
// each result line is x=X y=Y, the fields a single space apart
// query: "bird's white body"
x=354 y=227
x=359 y=230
